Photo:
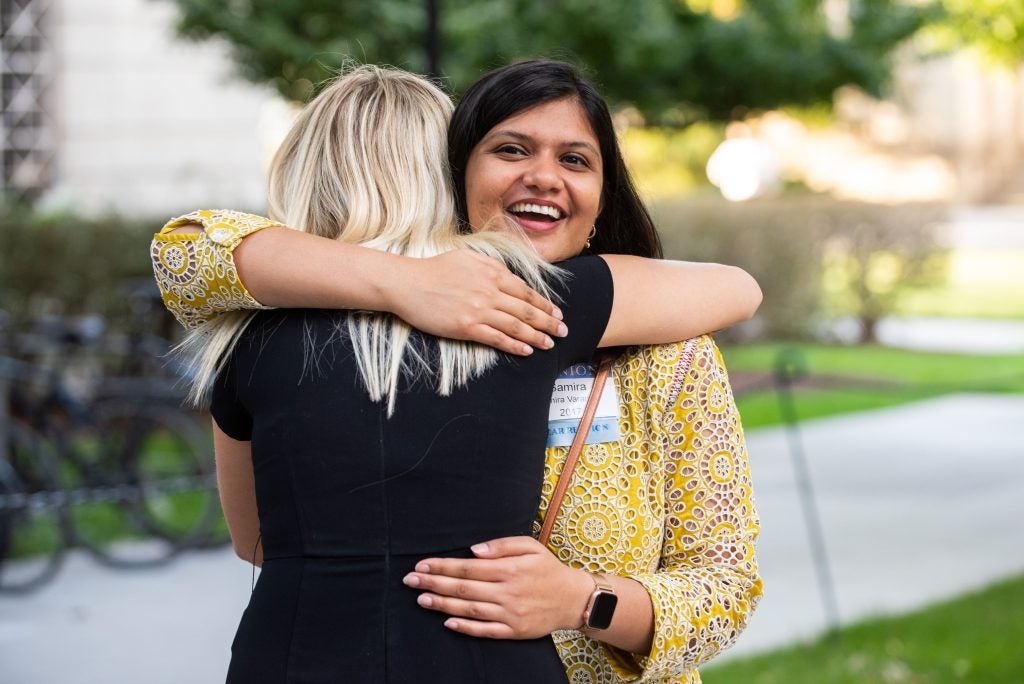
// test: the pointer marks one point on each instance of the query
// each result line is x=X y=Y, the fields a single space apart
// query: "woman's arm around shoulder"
x=658 y=301
x=207 y=263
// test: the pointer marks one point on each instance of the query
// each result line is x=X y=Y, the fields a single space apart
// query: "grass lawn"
x=864 y=377
x=975 y=638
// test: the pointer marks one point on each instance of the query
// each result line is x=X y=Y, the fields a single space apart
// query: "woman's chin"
x=551 y=252
x=547 y=237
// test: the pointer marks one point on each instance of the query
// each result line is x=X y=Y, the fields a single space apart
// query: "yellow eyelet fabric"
x=670 y=505
x=196 y=271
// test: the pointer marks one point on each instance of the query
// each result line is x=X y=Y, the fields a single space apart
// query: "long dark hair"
x=624 y=225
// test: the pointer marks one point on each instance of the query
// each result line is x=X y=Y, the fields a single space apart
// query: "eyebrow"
x=572 y=144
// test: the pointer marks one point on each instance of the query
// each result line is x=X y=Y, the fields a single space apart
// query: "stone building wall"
x=148 y=124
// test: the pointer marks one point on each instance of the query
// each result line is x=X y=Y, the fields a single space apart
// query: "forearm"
x=281 y=267
x=664 y=301
x=287 y=268
x=236 y=486
x=632 y=627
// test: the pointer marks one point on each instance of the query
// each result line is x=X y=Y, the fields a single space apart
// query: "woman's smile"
x=536 y=215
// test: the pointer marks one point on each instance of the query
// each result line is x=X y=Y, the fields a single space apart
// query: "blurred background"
x=861 y=158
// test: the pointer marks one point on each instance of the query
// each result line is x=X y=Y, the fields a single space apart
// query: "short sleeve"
x=226 y=408
x=586 y=295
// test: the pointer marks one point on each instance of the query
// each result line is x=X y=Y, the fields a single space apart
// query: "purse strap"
x=574 y=451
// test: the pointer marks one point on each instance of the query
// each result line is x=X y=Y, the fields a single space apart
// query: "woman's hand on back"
x=513 y=589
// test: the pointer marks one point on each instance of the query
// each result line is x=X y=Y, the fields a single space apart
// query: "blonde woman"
x=351 y=446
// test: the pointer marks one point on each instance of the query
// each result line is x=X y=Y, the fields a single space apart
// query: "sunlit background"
x=862 y=158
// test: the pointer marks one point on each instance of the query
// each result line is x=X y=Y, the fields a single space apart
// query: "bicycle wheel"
x=149 y=488
x=172 y=459
x=33 y=526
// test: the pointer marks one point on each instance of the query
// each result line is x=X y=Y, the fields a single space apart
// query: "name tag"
x=568 y=401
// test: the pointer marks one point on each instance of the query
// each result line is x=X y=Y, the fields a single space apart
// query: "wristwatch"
x=601 y=606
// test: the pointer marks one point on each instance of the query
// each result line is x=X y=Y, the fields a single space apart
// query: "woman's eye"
x=575 y=160
x=510 y=149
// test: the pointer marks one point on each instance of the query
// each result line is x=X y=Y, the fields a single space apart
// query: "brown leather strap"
x=574 y=451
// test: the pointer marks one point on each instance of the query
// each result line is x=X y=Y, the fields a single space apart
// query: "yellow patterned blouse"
x=670 y=504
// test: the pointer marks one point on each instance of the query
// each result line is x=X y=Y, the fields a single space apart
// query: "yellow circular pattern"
x=677 y=517
x=196 y=273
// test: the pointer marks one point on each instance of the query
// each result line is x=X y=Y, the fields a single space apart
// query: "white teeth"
x=520 y=207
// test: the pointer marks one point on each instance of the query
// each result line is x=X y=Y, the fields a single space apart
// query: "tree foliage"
x=676 y=61
x=996 y=27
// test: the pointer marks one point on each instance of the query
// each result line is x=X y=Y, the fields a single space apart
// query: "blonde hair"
x=366 y=163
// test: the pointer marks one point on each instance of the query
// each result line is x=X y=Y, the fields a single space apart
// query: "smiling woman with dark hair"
x=623 y=225
x=659 y=512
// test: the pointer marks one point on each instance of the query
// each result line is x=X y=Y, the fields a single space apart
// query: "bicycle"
x=34 y=527
x=136 y=473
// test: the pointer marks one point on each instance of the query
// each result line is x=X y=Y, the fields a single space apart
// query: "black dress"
x=350 y=499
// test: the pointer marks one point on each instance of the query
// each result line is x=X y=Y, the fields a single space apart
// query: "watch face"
x=602 y=610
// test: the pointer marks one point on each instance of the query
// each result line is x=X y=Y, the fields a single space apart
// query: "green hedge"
x=64 y=264
x=814 y=256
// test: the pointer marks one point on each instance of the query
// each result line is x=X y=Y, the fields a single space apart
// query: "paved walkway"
x=987 y=226
x=919 y=503
x=935 y=334
x=954 y=335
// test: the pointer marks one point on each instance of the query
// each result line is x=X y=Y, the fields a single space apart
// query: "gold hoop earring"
x=593 y=232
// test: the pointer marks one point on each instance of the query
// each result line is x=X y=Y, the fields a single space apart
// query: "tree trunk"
x=433 y=38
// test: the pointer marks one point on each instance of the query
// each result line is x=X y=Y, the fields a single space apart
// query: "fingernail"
x=527 y=350
x=424 y=600
x=479 y=548
x=451 y=624
x=411 y=580
x=548 y=342
x=422 y=567
x=562 y=330
x=557 y=313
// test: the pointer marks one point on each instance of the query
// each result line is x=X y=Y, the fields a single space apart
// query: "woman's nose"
x=542 y=174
